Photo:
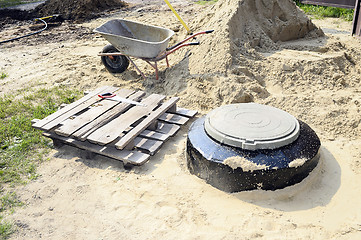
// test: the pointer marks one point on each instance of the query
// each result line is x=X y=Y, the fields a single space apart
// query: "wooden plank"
x=167 y=128
x=85 y=131
x=154 y=135
x=122 y=143
x=132 y=157
x=151 y=134
x=186 y=112
x=75 y=110
x=54 y=116
x=149 y=145
x=114 y=128
x=173 y=118
x=73 y=124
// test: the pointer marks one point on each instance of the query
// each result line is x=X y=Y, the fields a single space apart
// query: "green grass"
x=8 y=202
x=316 y=11
x=10 y=3
x=6 y=229
x=22 y=148
x=20 y=144
x=206 y=2
x=3 y=75
x=322 y=11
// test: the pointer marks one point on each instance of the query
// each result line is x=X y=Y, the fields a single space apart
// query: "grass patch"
x=206 y=2
x=10 y=3
x=3 y=75
x=6 y=229
x=322 y=11
x=22 y=147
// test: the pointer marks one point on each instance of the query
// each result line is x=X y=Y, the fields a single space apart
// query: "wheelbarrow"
x=137 y=40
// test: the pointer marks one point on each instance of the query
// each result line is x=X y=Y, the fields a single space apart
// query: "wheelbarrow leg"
x=155 y=66
x=166 y=59
x=156 y=70
x=140 y=72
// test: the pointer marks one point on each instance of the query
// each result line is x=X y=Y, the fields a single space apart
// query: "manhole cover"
x=252 y=126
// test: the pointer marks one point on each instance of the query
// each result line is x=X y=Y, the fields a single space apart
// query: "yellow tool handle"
x=176 y=14
x=42 y=18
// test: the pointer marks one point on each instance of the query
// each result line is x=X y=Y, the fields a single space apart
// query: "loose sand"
x=244 y=164
x=315 y=78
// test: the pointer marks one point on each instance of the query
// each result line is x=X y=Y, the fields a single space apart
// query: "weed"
x=322 y=11
x=6 y=229
x=3 y=75
x=7 y=202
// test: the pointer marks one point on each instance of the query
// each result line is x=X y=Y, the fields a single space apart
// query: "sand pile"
x=244 y=26
x=77 y=10
x=229 y=58
x=261 y=50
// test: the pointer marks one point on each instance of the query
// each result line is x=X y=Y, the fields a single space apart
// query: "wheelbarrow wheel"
x=114 y=64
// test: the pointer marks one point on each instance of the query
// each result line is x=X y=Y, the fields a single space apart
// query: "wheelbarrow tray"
x=135 y=39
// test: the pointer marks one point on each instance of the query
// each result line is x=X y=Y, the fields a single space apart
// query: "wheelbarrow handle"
x=193 y=43
x=188 y=38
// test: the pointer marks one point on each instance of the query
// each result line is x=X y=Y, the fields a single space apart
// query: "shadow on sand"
x=316 y=190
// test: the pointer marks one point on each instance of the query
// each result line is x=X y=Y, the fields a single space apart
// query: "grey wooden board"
x=114 y=128
x=132 y=157
x=73 y=124
x=46 y=120
x=149 y=145
x=122 y=143
x=154 y=135
x=173 y=118
x=186 y=112
x=108 y=116
x=75 y=110
x=167 y=128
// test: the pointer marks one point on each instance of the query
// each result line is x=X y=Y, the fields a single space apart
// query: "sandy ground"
x=317 y=80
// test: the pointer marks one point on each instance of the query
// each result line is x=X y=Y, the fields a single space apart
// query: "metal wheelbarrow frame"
x=133 y=39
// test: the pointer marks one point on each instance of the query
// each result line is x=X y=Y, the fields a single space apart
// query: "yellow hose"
x=176 y=14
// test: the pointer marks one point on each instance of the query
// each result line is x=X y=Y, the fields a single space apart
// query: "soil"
x=267 y=52
x=78 y=11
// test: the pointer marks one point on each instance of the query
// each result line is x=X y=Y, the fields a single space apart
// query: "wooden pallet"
x=123 y=131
